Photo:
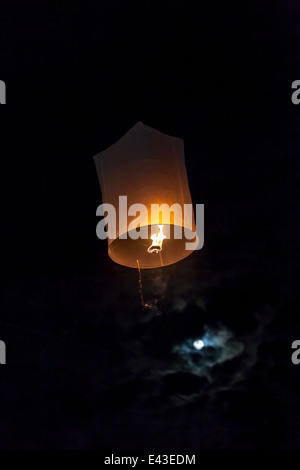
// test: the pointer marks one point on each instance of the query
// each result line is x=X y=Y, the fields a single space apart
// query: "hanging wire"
x=140 y=285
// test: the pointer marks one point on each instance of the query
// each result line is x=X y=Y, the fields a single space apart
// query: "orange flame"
x=157 y=240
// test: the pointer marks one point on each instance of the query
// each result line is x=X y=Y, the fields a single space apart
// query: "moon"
x=198 y=344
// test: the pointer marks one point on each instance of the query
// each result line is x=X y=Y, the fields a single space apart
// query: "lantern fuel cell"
x=146 y=169
x=157 y=240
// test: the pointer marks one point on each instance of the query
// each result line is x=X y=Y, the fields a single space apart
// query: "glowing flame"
x=157 y=240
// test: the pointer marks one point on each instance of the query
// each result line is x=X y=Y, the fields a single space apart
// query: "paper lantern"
x=148 y=167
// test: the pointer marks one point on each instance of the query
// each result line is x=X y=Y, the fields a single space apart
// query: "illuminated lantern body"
x=148 y=167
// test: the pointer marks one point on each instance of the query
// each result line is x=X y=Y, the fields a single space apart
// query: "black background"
x=86 y=367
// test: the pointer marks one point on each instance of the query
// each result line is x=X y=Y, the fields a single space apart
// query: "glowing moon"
x=198 y=344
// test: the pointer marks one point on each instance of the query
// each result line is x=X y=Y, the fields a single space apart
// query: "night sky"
x=87 y=368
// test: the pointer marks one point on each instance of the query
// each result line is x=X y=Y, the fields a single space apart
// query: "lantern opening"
x=126 y=251
x=157 y=239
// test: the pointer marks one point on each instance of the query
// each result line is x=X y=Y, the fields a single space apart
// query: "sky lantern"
x=145 y=188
